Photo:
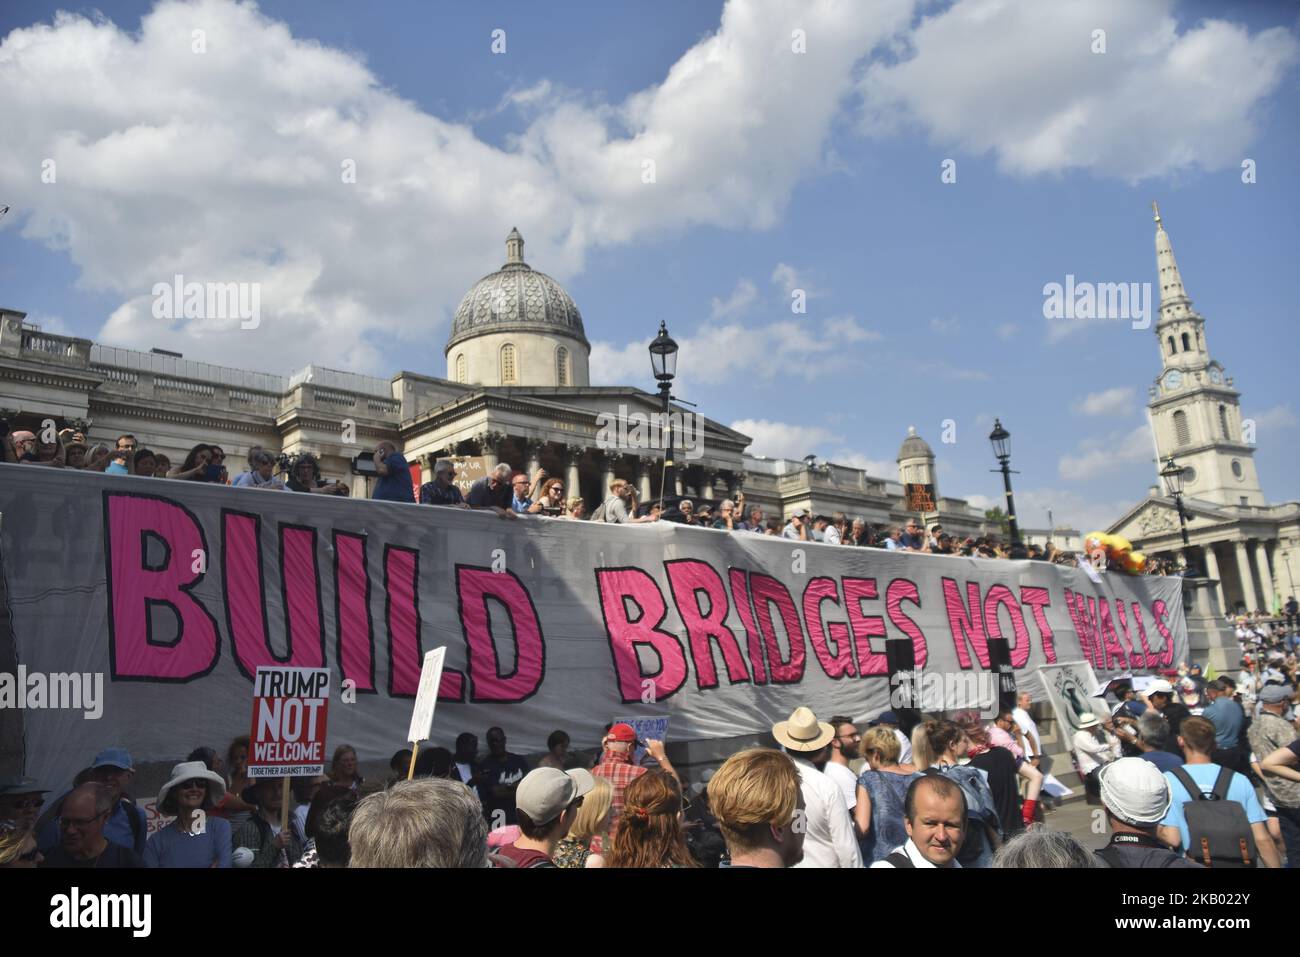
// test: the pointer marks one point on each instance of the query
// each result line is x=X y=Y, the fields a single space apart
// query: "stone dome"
x=516 y=298
x=914 y=446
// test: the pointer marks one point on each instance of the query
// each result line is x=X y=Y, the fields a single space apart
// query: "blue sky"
x=775 y=170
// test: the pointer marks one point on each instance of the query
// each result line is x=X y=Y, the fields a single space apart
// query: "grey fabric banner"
x=167 y=595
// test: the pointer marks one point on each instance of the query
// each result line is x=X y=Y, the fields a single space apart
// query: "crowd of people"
x=959 y=791
x=510 y=494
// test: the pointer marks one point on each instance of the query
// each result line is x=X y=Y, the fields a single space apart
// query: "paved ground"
x=1077 y=816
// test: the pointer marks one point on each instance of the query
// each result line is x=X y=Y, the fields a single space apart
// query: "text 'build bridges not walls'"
x=182 y=593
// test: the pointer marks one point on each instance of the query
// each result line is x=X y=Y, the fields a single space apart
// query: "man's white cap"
x=1160 y=686
x=1134 y=790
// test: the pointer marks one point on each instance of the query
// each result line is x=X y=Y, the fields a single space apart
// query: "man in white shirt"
x=935 y=818
x=829 y=840
x=844 y=748
x=1028 y=727
x=1094 y=748
x=830 y=533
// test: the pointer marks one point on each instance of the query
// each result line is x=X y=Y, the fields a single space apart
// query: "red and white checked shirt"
x=617 y=767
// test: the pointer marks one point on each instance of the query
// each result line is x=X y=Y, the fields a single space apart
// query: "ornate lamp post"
x=1173 y=475
x=1001 y=441
x=663 y=359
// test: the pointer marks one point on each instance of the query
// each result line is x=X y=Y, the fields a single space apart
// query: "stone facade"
x=171 y=404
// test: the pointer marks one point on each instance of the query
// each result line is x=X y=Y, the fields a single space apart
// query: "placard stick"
x=284 y=806
x=415 y=749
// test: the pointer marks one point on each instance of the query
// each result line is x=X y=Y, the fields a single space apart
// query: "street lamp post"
x=1001 y=440
x=1000 y=648
x=1173 y=475
x=663 y=359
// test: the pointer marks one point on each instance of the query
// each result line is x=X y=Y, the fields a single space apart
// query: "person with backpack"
x=1214 y=815
x=620 y=507
x=1136 y=797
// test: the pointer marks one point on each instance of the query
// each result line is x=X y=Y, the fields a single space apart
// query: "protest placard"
x=426 y=699
x=647 y=728
x=290 y=710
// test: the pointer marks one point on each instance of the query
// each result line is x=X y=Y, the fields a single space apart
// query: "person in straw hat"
x=1094 y=747
x=195 y=838
x=829 y=840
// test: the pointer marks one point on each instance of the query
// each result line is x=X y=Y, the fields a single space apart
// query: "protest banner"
x=426 y=699
x=177 y=592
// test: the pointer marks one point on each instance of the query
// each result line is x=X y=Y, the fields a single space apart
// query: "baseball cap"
x=1274 y=694
x=799 y=513
x=544 y=793
x=622 y=732
x=1160 y=686
x=114 y=758
x=887 y=717
x=1135 y=791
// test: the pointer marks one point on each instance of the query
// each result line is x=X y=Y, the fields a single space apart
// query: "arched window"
x=461 y=368
x=508 y=373
x=561 y=366
x=1172 y=348
x=1187 y=342
x=1182 y=435
x=1223 y=421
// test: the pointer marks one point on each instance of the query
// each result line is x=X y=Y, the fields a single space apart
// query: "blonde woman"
x=882 y=787
x=580 y=847
x=576 y=509
x=18 y=846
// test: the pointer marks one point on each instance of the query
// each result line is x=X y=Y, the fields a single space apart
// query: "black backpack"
x=1218 y=831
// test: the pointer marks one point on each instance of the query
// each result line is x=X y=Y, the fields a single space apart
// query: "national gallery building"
x=517 y=390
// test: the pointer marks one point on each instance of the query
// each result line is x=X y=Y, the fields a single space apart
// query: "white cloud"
x=1006 y=331
x=1120 y=400
x=782 y=439
x=226 y=166
x=982 y=502
x=944 y=326
x=1020 y=80
x=737 y=304
x=787 y=278
x=876 y=468
x=1100 y=455
x=1069 y=508
x=847 y=329
x=1276 y=417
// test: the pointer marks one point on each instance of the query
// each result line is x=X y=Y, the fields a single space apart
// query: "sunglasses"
x=194 y=784
x=25 y=805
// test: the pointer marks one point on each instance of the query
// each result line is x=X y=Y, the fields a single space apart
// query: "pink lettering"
x=966 y=626
x=618 y=586
x=1037 y=599
x=1002 y=595
x=840 y=663
x=134 y=587
x=769 y=591
x=688 y=579
x=474 y=588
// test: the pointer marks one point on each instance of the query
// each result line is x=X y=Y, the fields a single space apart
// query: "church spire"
x=1174 y=302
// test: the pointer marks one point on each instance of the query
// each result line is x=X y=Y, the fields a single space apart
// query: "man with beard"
x=844 y=748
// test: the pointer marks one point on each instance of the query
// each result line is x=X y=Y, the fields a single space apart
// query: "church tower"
x=1195 y=411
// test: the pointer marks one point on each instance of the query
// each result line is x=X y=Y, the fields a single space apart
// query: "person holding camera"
x=797 y=528
x=304 y=476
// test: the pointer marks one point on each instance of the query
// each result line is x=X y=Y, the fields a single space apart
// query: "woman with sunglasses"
x=195 y=838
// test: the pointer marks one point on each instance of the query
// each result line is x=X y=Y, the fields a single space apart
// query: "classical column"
x=1247 y=579
x=1265 y=578
x=643 y=467
x=710 y=482
x=488 y=444
x=608 y=457
x=1212 y=571
x=533 y=451
x=735 y=482
x=572 y=480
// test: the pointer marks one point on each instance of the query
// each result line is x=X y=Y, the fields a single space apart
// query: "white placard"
x=426 y=697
